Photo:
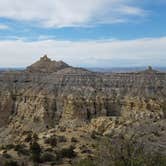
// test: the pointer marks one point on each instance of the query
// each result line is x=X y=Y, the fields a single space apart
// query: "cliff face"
x=47 y=95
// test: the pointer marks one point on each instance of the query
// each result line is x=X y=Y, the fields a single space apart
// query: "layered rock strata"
x=49 y=94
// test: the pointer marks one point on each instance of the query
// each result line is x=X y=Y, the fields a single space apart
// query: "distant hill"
x=98 y=69
x=124 y=69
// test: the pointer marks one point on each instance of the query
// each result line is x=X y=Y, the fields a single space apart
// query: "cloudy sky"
x=87 y=33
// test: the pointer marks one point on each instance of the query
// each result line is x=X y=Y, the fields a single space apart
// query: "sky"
x=85 y=33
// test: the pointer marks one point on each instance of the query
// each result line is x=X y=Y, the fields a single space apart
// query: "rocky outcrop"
x=45 y=65
x=63 y=107
x=50 y=93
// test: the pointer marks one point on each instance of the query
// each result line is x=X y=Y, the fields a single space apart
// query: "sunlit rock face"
x=50 y=93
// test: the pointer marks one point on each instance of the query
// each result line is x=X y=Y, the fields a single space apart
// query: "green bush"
x=73 y=139
x=156 y=159
x=6 y=155
x=35 y=137
x=31 y=137
x=10 y=146
x=67 y=153
x=47 y=157
x=126 y=152
x=61 y=139
x=51 y=141
x=11 y=163
x=35 y=150
x=28 y=138
x=7 y=147
x=20 y=148
x=49 y=149
x=93 y=135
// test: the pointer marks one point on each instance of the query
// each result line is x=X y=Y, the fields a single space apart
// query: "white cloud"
x=62 y=13
x=140 y=52
x=3 y=27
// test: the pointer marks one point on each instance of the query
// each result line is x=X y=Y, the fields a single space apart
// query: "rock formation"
x=45 y=65
x=50 y=94
x=50 y=89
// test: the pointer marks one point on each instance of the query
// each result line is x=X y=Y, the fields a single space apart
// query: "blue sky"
x=90 y=33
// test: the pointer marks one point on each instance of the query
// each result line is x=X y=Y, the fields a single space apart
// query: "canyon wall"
x=72 y=96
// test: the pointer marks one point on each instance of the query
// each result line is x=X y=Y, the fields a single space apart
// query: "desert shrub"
x=31 y=137
x=28 y=138
x=61 y=139
x=35 y=150
x=9 y=146
x=35 y=137
x=47 y=157
x=129 y=152
x=6 y=155
x=93 y=135
x=73 y=139
x=51 y=141
x=20 y=148
x=11 y=163
x=85 y=162
x=49 y=150
x=126 y=152
x=156 y=159
x=121 y=152
x=67 y=153
x=2 y=147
